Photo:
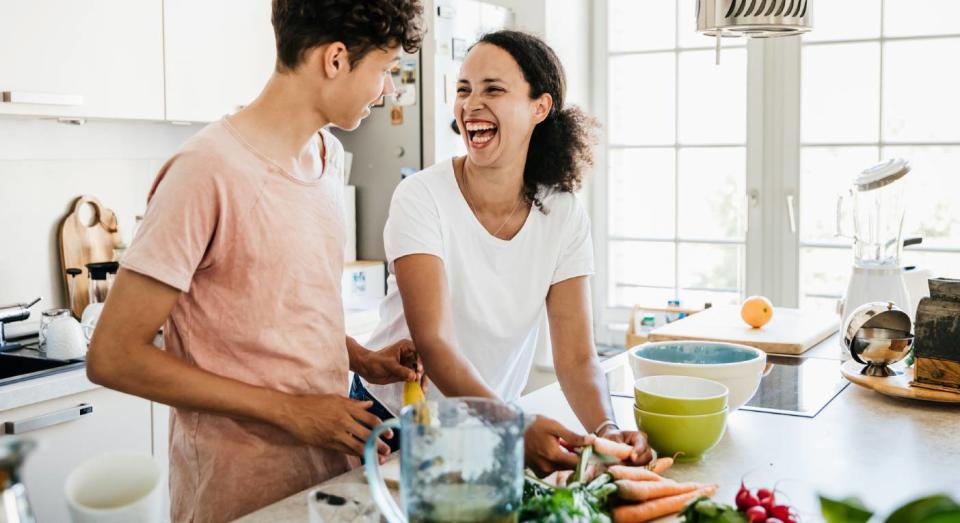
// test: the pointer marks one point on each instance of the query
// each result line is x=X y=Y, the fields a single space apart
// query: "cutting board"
x=791 y=331
x=899 y=386
x=82 y=243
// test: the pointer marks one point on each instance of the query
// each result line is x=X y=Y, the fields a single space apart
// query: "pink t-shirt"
x=258 y=256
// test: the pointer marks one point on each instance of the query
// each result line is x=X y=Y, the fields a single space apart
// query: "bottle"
x=673 y=316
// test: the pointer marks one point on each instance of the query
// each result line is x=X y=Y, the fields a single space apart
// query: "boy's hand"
x=331 y=421
x=398 y=362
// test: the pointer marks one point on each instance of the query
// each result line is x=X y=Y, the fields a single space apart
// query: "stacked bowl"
x=681 y=415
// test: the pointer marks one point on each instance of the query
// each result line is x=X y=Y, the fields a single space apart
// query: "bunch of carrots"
x=641 y=494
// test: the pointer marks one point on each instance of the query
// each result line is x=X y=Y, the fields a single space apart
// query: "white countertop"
x=35 y=390
x=884 y=450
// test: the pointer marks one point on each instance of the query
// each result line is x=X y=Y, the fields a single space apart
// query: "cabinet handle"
x=47 y=420
x=26 y=97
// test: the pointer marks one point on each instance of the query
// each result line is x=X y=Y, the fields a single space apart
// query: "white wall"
x=44 y=166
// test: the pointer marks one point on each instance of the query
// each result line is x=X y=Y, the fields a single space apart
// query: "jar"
x=46 y=318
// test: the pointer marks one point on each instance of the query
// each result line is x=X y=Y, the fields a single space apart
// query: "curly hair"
x=561 y=148
x=361 y=25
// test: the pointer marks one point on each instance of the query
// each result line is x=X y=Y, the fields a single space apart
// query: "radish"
x=773 y=520
x=756 y=514
x=781 y=512
x=764 y=493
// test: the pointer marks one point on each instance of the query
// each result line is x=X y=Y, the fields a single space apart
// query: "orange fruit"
x=756 y=311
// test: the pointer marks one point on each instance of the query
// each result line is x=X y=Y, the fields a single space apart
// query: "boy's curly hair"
x=361 y=25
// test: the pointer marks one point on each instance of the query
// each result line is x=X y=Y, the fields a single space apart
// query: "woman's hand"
x=642 y=453
x=397 y=362
x=544 y=446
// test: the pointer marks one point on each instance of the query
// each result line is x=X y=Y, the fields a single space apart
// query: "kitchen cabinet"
x=117 y=421
x=65 y=58
x=219 y=54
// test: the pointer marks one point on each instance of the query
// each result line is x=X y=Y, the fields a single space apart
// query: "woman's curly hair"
x=362 y=25
x=561 y=148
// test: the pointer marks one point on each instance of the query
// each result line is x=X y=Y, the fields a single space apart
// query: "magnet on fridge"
x=459 y=48
x=396 y=115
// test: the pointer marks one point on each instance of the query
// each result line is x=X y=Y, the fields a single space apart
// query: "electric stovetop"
x=798 y=386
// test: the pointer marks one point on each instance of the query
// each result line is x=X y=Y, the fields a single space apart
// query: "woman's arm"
x=571 y=334
x=426 y=305
x=582 y=380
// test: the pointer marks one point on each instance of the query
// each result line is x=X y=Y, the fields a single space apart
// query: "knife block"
x=937 y=330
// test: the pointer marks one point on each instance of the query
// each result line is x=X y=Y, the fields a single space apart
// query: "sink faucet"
x=10 y=314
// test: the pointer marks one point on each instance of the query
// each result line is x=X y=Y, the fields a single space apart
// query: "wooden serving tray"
x=898 y=386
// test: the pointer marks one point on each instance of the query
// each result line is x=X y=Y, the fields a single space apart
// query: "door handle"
x=792 y=213
x=47 y=420
x=26 y=97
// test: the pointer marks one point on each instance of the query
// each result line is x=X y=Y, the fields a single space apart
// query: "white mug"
x=116 y=487
x=65 y=339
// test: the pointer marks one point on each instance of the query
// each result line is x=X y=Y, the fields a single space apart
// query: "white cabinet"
x=72 y=58
x=218 y=55
x=117 y=421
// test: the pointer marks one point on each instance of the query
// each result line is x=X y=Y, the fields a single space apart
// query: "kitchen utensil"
x=464 y=464
x=10 y=314
x=738 y=367
x=342 y=503
x=877 y=334
x=790 y=331
x=82 y=243
x=687 y=437
x=14 y=503
x=72 y=272
x=899 y=385
x=116 y=487
x=680 y=395
x=878 y=209
x=65 y=339
x=46 y=318
x=101 y=280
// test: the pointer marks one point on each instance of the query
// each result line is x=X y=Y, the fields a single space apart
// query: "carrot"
x=662 y=464
x=650 y=510
x=634 y=473
x=616 y=449
x=646 y=490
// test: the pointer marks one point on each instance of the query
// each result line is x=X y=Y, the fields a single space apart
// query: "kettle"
x=14 y=505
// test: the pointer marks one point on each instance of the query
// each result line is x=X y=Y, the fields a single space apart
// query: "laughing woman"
x=482 y=245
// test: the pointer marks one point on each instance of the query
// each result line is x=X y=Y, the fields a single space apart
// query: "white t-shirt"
x=498 y=288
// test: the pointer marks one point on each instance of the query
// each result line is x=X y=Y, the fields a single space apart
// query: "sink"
x=14 y=368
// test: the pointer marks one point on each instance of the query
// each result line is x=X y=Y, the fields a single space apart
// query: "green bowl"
x=690 y=436
x=680 y=395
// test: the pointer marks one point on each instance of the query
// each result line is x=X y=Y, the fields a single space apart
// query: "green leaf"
x=951 y=516
x=922 y=509
x=849 y=510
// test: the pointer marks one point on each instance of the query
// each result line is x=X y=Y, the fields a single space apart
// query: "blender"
x=878 y=208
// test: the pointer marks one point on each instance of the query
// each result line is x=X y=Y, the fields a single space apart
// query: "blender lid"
x=882 y=174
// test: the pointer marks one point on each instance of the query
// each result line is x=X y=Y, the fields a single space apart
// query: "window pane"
x=642 y=98
x=825 y=173
x=933 y=194
x=824 y=272
x=642 y=192
x=696 y=299
x=920 y=91
x=640 y=26
x=845 y=20
x=712 y=188
x=920 y=17
x=819 y=304
x=626 y=296
x=713 y=99
x=941 y=264
x=840 y=93
x=710 y=267
x=642 y=263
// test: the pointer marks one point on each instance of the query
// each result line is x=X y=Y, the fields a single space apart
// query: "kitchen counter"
x=884 y=450
x=67 y=381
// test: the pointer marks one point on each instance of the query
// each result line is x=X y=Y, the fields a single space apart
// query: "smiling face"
x=353 y=90
x=493 y=109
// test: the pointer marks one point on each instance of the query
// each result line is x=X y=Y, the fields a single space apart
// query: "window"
x=876 y=85
x=685 y=144
x=675 y=159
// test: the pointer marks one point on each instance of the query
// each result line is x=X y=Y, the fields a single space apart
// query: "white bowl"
x=739 y=367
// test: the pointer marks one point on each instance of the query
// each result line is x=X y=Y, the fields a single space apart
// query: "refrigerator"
x=414 y=130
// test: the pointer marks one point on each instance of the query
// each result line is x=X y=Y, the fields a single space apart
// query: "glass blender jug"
x=878 y=208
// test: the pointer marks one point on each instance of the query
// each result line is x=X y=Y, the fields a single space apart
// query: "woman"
x=482 y=245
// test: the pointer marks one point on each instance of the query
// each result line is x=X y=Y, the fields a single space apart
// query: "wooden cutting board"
x=82 y=243
x=791 y=331
x=899 y=386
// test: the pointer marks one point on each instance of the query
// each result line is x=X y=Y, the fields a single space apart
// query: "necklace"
x=466 y=194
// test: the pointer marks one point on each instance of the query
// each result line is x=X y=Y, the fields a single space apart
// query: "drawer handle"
x=47 y=420
x=27 y=97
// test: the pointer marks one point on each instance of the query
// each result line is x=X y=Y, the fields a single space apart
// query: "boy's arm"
x=122 y=357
